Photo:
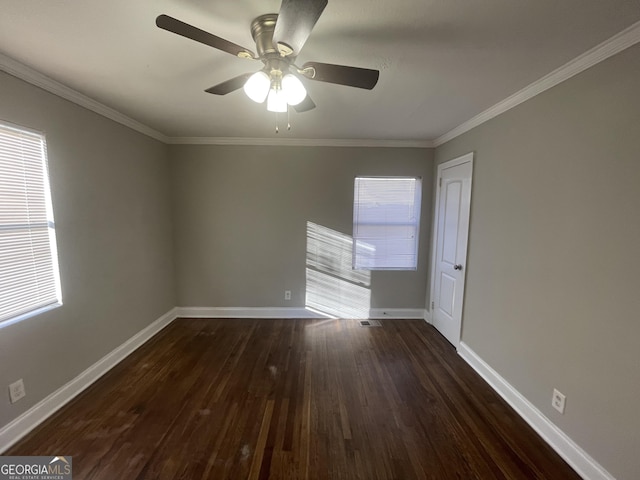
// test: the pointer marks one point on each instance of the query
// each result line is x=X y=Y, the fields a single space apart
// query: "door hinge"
x=440 y=182
x=433 y=304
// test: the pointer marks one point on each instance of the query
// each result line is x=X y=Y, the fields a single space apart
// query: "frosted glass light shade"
x=257 y=87
x=293 y=89
x=276 y=101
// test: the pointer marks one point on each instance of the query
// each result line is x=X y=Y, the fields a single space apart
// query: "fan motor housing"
x=262 y=32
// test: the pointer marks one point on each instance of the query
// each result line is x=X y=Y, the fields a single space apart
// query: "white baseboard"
x=397 y=313
x=427 y=316
x=21 y=426
x=570 y=451
x=247 y=312
x=289 y=312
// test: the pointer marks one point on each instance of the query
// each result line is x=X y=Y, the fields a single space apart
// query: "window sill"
x=32 y=313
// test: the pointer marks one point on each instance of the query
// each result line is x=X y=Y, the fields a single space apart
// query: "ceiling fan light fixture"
x=257 y=86
x=279 y=39
x=277 y=101
x=293 y=89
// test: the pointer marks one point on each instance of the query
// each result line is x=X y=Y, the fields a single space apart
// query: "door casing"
x=467 y=158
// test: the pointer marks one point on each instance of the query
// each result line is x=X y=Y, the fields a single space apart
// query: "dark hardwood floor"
x=294 y=399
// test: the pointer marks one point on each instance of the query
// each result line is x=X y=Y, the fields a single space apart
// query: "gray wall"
x=552 y=291
x=552 y=296
x=240 y=218
x=111 y=198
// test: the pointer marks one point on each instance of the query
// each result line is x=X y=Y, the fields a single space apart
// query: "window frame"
x=52 y=295
x=415 y=225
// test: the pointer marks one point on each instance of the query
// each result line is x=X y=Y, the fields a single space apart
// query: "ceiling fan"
x=279 y=39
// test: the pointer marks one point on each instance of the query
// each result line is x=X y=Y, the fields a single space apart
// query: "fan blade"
x=230 y=85
x=295 y=22
x=306 y=105
x=189 y=31
x=342 y=75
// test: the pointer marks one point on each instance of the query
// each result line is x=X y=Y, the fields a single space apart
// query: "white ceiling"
x=441 y=61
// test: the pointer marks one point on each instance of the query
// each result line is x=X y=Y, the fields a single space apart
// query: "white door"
x=453 y=201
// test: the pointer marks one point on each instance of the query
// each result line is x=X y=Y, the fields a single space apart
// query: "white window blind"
x=29 y=278
x=386 y=221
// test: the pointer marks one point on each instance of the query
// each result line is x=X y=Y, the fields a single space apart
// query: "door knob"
x=457 y=267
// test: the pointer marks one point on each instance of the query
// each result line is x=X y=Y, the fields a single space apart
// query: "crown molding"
x=32 y=76
x=619 y=42
x=301 y=142
x=29 y=75
x=625 y=39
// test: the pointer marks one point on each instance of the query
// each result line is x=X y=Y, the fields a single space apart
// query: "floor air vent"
x=370 y=323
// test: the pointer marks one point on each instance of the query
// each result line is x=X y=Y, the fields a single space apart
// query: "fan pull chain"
x=288 y=121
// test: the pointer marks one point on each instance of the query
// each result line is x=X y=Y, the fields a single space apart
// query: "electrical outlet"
x=558 y=400
x=287 y=294
x=17 y=391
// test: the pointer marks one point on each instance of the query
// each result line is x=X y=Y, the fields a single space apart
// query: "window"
x=386 y=221
x=29 y=278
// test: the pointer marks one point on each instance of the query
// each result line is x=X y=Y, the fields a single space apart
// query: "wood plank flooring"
x=294 y=399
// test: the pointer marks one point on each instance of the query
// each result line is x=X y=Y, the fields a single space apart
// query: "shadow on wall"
x=334 y=288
